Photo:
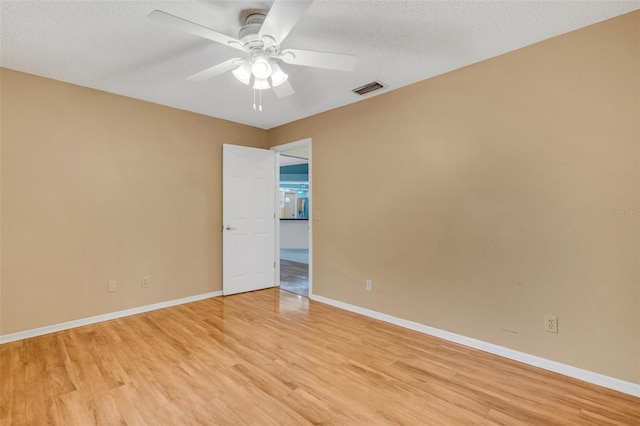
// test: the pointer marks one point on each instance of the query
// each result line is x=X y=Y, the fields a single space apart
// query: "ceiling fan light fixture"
x=261 y=68
x=261 y=84
x=277 y=75
x=243 y=73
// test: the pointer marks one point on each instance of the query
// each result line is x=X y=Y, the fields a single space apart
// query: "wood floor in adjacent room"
x=294 y=277
x=274 y=358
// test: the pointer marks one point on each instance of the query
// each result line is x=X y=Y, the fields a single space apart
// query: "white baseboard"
x=564 y=369
x=104 y=317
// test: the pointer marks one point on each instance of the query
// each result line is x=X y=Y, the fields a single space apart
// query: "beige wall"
x=477 y=200
x=1 y=202
x=99 y=187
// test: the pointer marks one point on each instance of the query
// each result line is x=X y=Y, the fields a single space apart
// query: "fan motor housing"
x=248 y=34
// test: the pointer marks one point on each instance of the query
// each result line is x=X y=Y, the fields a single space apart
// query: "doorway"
x=294 y=227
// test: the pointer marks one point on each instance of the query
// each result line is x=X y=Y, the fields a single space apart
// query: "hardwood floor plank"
x=312 y=408
x=513 y=401
x=40 y=407
x=549 y=387
x=58 y=365
x=105 y=411
x=72 y=410
x=441 y=412
x=501 y=418
x=84 y=371
x=7 y=377
x=608 y=419
x=13 y=384
x=151 y=395
x=130 y=405
x=273 y=358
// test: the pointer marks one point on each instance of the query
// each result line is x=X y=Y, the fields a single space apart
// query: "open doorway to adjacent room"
x=294 y=194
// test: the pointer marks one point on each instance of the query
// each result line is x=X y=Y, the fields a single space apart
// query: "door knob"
x=227 y=228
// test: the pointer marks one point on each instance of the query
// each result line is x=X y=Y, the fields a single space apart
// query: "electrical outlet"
x=551 y=323
x=113 y=287
x=368 y=285
x=144 y=282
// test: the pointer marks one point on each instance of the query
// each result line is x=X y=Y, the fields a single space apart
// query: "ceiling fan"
x=260 y=39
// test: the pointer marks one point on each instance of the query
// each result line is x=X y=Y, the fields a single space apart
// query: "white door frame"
x=287 y=147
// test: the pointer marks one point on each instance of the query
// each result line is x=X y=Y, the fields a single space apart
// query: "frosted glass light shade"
x=243 y=73
x=277 y=75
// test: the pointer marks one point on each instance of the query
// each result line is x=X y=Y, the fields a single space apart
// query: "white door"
x=248 y=219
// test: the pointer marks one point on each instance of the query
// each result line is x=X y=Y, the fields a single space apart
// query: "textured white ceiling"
x=112 y=46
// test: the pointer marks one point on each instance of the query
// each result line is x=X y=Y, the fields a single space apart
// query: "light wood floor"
x=273 y=358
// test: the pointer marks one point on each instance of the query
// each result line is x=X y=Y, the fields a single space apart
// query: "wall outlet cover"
x=551 y=323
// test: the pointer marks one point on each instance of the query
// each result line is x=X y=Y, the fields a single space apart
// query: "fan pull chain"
x=254 y=99
x=259 y=101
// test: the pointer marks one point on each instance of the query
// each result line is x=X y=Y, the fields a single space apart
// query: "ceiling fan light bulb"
x=243 y=73
x=261 y=84
x=277 y=75
x=261 y=68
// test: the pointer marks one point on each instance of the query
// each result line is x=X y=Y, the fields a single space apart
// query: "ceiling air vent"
x=367 y=88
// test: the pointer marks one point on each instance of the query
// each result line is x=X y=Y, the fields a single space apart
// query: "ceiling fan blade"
x=195 y=29
x=283 y=90
x=281 y=19
x=311 y=58
x=216 y=70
